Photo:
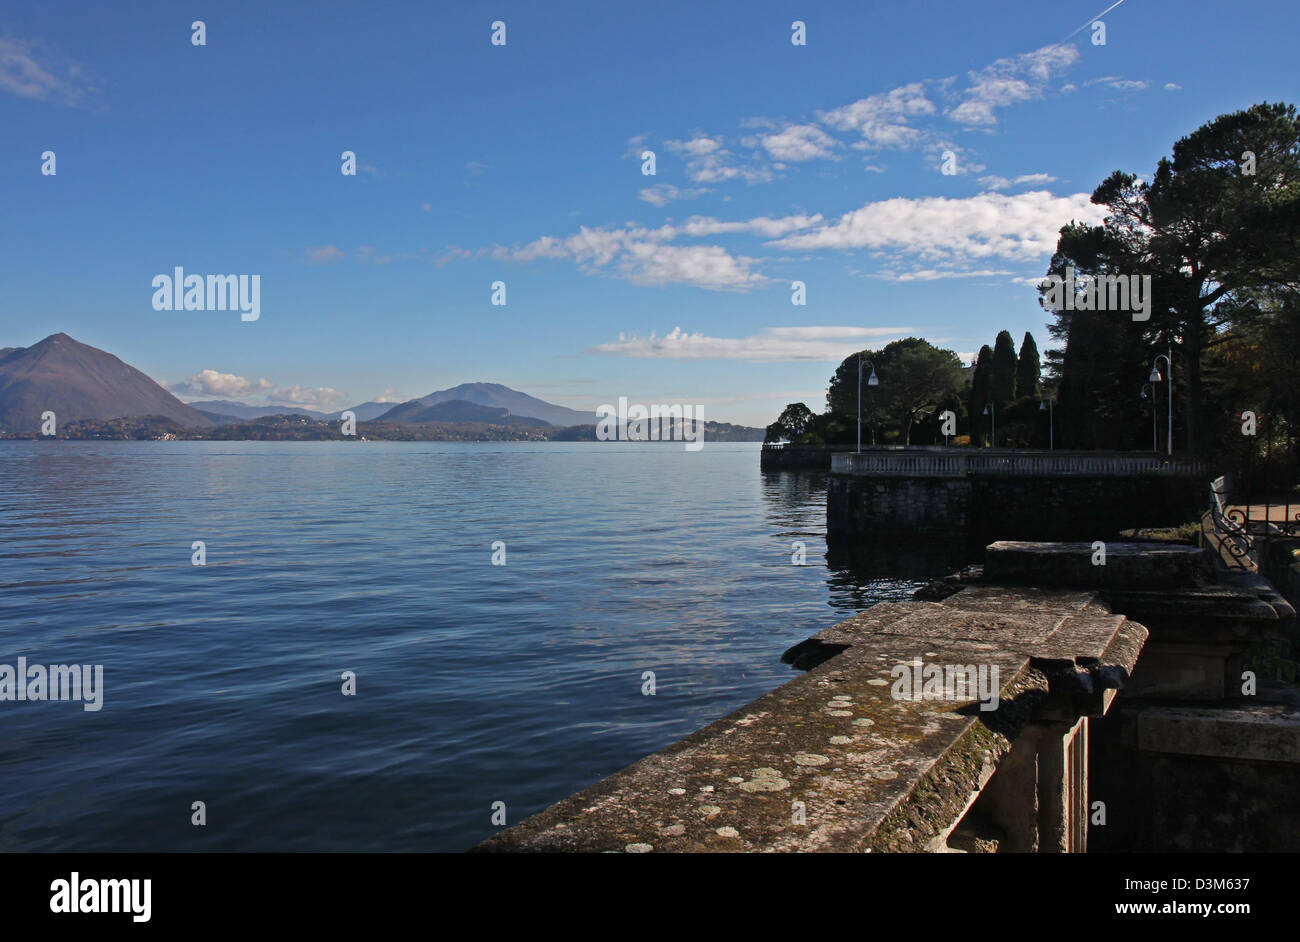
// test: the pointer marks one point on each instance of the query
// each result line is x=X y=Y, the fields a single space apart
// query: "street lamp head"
x=1042 y=406
x=1155 y=376
x=872 y=380
x=987 y=407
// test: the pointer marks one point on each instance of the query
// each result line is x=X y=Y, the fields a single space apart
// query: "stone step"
x=1149 y=565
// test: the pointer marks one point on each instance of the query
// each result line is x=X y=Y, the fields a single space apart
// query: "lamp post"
x=1155 y=377
x=1049 y=405
x=872 y=381
x=992 y=413
x=1155 y=446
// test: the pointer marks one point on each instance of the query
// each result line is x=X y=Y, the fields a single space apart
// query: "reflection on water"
x=475 y=683
x=860 y=571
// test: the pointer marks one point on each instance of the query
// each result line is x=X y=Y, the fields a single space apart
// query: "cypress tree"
x=1002 y=375
x=1029 y=369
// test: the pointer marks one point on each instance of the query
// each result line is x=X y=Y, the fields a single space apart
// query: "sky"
x=821 y=163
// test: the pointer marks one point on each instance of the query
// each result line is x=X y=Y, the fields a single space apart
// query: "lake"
x=474 y=683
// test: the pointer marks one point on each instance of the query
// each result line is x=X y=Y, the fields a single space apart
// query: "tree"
x=793 y=424
x=921 y=376
x=914 y=377
x=1213 y=237
x=979 y=383
x=1029 y=369
x=1002 y=376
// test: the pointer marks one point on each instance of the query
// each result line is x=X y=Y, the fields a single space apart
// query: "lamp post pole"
x=873 y=380
x=1155 y=377
x=1169 y=358
x=1155 y=444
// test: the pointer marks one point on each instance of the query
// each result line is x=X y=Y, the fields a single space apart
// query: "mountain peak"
x=515 y=402
x=79 y=382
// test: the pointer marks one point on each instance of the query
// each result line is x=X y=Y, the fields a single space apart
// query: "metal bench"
x=1232 y=527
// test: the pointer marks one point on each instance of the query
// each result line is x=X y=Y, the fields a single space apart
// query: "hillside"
x=78 y=382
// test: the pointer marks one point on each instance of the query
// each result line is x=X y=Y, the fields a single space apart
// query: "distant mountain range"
x=82 y=384
x=223 y=411
x=501 y=397
x=458 y=410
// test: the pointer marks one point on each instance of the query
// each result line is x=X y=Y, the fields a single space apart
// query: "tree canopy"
x=915 y=376
x=1217 y=229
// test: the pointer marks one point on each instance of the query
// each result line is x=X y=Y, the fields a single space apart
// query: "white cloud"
x=661 y=194
x=207 y=384
x=705 y=266
x=30 y=71
x=826 y=344
x=707 y=161
x=1173 y=87
x=1018 y=227
x=799 y=142
x=215 y=383
x=1120 y=84
x=319 y=398
x=765 y=226
x=883 y=120
x=1010 y=81
x=1001 y=183
x=698 y=146
x=324 y=255
x=642 y=256
x=937 y=274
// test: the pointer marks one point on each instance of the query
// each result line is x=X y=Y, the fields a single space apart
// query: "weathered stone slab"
x=871 y=771
x=1258 y=732
x=1149 y=565
x=1070 y=635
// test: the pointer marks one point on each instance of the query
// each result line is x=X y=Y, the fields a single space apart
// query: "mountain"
x=78 y=382
x=364 y=412
x=226 y=409
x=457 y=410
x=223 y=410
x=503 y=397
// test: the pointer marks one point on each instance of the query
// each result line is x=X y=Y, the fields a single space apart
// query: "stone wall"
x=987 y=508
x=795 y=457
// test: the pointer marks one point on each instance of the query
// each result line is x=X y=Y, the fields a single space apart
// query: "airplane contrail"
x=1093 y=19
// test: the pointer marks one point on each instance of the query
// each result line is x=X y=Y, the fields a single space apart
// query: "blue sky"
x=819 y=163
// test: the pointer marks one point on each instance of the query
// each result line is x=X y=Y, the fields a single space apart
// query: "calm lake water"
x=475 y=683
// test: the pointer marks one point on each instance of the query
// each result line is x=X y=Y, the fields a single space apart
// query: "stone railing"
x=952 y=462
